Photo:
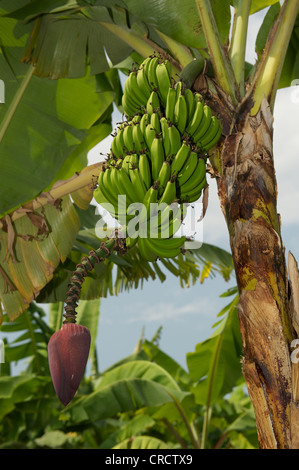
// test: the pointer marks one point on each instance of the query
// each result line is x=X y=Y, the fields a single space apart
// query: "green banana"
x=180 y=113
x=188 y=168
x=153 y=103
x=195 y=193
x=178 y=88
x=164 y=175
x=198 y=175
x=144 y=121
x=169 y=194
x=126 y=163
x=151 y=197
x=128 y=137
x=162 y=250
x=130 y=98
x=129 y=107
x=196 y=118
x=212 y=136
x=99 y=196
x=138 y=138
x=170 y=104
x=107 y=189
x=180 y=158
x=119 y=140
x=190 y=101
x=145 y=250
x=204 y=125
x=125 y=186
x=149 y=134
x=137 y=93
x=114 y=149
x=136 y=119
x=145 y=170
x=157 y=156
x=142 y=82
x=151 y=72
x=165 y=135
x=174 y=139
x=136 y=178
x=164 y=81
x=155 y=122
x=170 y=221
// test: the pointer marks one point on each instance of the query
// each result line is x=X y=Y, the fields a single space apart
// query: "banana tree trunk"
x=248 y=196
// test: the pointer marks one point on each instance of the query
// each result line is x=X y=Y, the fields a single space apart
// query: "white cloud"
x=164 y=311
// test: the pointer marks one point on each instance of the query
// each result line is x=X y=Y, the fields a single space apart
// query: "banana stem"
x=75 y=183
x=142 y=45
x=87 y=264
x=266 y=80
x=238 y=41
x=15 y=101
x=179 y=51
x=221 y=64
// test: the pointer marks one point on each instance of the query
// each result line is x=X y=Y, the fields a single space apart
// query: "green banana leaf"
x=31 y=249
x=215 y=364
x=290 y=69
x=141 y=369
x=124 y=395
x=142 y=442
x=133 y=427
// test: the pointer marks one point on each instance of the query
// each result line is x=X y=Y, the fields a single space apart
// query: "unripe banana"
x=212 y=135
x=165 y=135
x=197 y=177
x=180 y=158
x=213 y=142
x=155 y=122
x=128 y=137
x=164 y=81
x=157 y=156
x=136 y=178
x=170 y=104
x=188 y=169
x=145 y=170
x=180 y=113
x=150 y=134
x=144 y=121
x=145 y=250
x=138 y=138
x=190 y=102
x=138 y=95
x=196 y=119
x=204 y=125
x=153 y=103
x=174 y=139
x=194 y=194
x=126 y=163
x=143 y=83
x=151 y=73
x=162 y=250
x=169 y=194
x=164 y=175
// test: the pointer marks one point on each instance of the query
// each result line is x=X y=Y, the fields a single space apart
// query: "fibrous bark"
x=248 y=196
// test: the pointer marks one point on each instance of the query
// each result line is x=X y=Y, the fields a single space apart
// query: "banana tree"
x=195 y=36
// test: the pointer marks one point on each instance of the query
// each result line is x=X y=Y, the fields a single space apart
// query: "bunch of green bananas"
x=158 y=155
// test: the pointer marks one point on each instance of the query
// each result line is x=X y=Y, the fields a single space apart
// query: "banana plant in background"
x=146 y=400
x=194 y=39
